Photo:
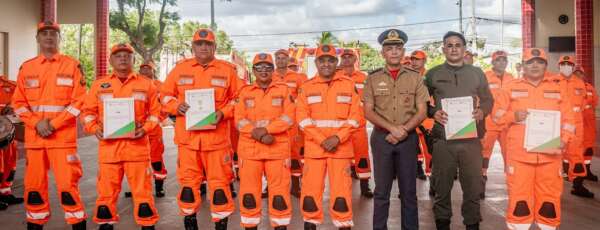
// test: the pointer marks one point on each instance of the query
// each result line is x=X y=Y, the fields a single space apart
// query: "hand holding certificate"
x=201 y=115
x=119 y=118
x=460 y=124
x=542 y=131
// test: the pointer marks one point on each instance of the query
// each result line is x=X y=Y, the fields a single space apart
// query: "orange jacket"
x=495 y=83
x=147 y=111
x=189 y=74
x=50 y=88
x=292 y=79
x=272 y=109
x=519 y=94
x=157 y=132
x=325 y=109
x=8 y=89
x=589 y=116
x=359 y=79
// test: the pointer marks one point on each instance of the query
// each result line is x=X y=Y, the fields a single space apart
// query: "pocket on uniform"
x=64 y=86
x=342 y=107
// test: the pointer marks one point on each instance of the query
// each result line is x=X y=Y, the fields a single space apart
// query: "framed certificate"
x=461 y=124
x=119 y=118
x=201 y=114
x=542 y=131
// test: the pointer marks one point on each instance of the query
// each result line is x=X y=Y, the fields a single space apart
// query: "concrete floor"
x=577 y=213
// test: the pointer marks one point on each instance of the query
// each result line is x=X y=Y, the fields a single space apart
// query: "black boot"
x=265 y=193
x=190 y=222
x=148 y=227
x=280 y=228
x=32 y=226
x=442 y=224
x=589 y=176
x=251 y=228
x=483 y=182
x=353 y=172
x=127 y=194
x=105 y=227
x=232 y=188
x=310 y=226
x=222 y=224
x=473 y=227
x=3 y=206
x=158 y=188
x=580 y=190
x=79 y=226
x=431 y=191
x=565 y=166
x=420 y=172
x=345 y=228
x=365 y=191
x=295 y=191
x=10 y=199
x=203 y=189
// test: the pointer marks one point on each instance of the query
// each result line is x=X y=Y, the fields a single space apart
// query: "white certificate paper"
x=119 y=118
x=542 y=131
x=201 y=114
x=461 y=124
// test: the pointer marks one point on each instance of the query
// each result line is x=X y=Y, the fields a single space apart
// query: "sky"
x=247 y=21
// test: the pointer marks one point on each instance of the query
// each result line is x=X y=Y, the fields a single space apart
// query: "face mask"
x=566 y=70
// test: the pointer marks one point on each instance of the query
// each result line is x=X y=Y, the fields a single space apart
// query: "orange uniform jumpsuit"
x=589 y=122
x=274 y=110
x=325 y=109
x=8 y=155
x=205 y=153
x=494 y=132
x=124 y=157
x=51 y=88
x=233 y=132
x=157 y=146
x=362 y=162
x=294 y=81
x=533 y=179
x=576 y=92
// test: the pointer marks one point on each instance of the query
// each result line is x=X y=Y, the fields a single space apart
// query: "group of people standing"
x=295 y=132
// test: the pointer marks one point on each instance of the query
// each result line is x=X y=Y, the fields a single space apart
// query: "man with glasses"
x=395 y=101
x=453 y=79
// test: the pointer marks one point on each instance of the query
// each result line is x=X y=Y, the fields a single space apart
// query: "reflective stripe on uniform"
x=166 y=99
x=5 y=191
x=287 y=119
x=364 y=175
x=262 y=123
x=153 y=119
x=569 y=127
x=335 y=123
x=280 y=221
x=250 y=220
x=512 y=226
x=21 y=110
x=160 y=176
x=73 y=111
x=188 y=211
x=306 y=122
x=545 y=227
x=89 y=118
x=220 y=215
x=76 y=215
x=577 y=109
x=342 y=224
x=38 y=215
x=499 y=113
x=48 y=108
x=242 y=123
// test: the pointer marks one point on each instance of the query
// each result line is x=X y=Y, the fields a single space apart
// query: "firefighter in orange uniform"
x=264 y=114
x=362 y=162
x=8 y=155
x=127 y=153
x=418 y=58
x=294 y=81
x=293 y=65
x=328 y=111
x=203 y=153
x=157 y=147
x=589 y=123
x=48 y=97
x=533 y=178
x=497 y=77
x=577 y=94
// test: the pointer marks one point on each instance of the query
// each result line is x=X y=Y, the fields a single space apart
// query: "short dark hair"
x=455 y=34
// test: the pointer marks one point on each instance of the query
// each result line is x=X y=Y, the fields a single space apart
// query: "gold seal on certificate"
x=461 y=124
x=119 y=118
x=201 y=114
x=542 y=131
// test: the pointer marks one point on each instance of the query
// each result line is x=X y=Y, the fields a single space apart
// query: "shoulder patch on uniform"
x=375 y=70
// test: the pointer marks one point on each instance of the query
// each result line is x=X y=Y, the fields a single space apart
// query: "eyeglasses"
x=263 y=68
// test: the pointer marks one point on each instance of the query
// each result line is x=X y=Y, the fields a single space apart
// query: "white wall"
x=547 y=25
x=19 y=19
x=76 y=11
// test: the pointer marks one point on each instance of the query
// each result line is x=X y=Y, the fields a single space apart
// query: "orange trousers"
x=297 y=153
x=192 y=168
x=66 y=168
x=340 y=193
x=157 y=149
x=110 y=178
x=277 y=172
x=362 y=162
x=8 y=167
x=487 y=147
x=534 y=192
x=424 y=154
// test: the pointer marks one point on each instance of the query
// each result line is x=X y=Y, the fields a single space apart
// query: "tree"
x=144 y=28
x=327 y=38
x=370 y=58
x=78 y=42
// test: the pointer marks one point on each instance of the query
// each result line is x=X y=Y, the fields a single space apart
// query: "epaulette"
x=375 y=70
